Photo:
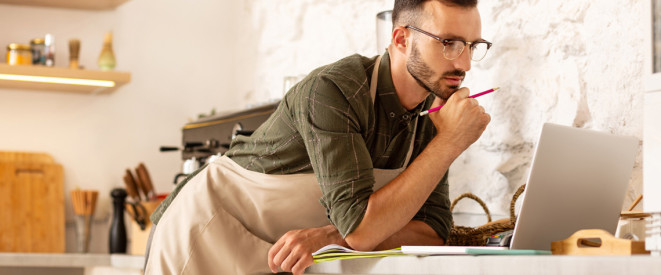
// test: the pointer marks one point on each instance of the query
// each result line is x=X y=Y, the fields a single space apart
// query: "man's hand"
x=293 y=251
x=461 y=121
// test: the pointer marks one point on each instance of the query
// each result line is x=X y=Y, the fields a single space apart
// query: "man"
x=348 y=136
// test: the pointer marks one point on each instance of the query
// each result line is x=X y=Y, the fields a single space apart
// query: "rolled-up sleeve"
x=333 y=126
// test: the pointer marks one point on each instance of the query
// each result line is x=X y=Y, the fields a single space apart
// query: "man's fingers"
x=302 y=264
x=282 y=255
x=272 y=253
x=472 y=102
x=462 y=93
x=459 y=94
x=289 y=262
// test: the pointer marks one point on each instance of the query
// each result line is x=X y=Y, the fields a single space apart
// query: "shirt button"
x=405 y=117
x=392 y=114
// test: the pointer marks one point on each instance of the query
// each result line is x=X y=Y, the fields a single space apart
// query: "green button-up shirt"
x=327 y=125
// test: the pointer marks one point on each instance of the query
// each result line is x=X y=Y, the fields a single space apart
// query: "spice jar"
x=19 y=54
x=38 y=48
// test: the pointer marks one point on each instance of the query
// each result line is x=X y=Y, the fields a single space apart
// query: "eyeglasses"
x=452 y=48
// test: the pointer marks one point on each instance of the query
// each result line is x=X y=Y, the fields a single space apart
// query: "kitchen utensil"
x=117 y=238
x=138 y=212
x=138 y=185
x=131 y=189
x=635 y=202
x=84 y=204
x=31 y=203
x=147 y=185
x=74 y=50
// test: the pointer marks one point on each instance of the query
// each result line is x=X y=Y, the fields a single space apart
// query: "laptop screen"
x=578 y=180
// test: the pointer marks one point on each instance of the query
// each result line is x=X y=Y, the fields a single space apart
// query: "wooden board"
x=31 y=206
x=25 y=157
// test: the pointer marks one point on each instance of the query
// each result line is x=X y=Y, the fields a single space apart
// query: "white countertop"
x=390 y=265
x=71 y=260
x=493 y=265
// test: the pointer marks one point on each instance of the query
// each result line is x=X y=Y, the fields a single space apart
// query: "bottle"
x=49 y=50
x=117 y=239
x=107 y=57
x=38 y=48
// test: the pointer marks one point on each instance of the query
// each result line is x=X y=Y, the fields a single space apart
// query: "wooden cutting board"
x=31 y=203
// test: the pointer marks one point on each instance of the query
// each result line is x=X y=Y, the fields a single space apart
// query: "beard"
x=423 y=75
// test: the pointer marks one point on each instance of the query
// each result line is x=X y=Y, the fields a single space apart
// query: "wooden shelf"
x=69 y=4
x=119 y=78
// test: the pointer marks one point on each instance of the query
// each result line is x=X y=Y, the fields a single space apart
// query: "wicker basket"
x=464 y=235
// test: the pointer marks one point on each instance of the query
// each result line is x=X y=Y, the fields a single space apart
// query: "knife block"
x=139 y=237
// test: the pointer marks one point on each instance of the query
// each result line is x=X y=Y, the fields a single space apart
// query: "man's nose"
x=463 y=61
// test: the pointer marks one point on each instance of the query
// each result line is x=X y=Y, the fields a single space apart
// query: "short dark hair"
x=406 y=11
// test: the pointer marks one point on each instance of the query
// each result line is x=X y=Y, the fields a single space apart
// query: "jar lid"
x=16 y=46
x=37 y=41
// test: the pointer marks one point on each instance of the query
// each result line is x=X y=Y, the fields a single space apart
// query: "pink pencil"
x=424 y=113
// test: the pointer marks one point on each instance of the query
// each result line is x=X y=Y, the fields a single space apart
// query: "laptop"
x=578 y=180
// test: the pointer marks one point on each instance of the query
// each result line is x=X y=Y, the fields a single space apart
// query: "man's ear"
x=400 y=38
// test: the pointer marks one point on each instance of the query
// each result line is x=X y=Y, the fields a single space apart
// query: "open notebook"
x=335 y=252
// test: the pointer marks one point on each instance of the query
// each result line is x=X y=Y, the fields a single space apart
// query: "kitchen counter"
x=493 y=265
x=34 y=263
x=69 y=263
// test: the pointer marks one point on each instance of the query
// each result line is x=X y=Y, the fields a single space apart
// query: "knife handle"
x=131 y=186
x=138 y=185
x=147 y=186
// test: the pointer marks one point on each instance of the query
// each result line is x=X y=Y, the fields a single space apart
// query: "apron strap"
x=410 y=152
x=373 y=83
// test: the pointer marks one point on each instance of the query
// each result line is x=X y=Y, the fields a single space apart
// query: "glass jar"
x=38 y=47
x=19 y=54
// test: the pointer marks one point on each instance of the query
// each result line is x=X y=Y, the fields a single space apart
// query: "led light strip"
x=58 y=80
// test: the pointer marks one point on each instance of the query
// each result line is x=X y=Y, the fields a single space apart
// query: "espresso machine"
x=207 y=138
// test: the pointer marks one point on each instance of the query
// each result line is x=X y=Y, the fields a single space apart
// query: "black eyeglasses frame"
x=445 y=42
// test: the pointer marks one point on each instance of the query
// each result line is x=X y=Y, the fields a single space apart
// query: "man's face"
x=426 y=62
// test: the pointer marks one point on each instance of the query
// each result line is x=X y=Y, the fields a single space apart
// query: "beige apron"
x=227 y=217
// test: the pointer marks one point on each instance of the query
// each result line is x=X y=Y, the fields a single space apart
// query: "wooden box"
x=580 y=244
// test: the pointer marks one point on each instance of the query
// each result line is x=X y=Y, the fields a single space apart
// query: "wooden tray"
x=579 y=244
